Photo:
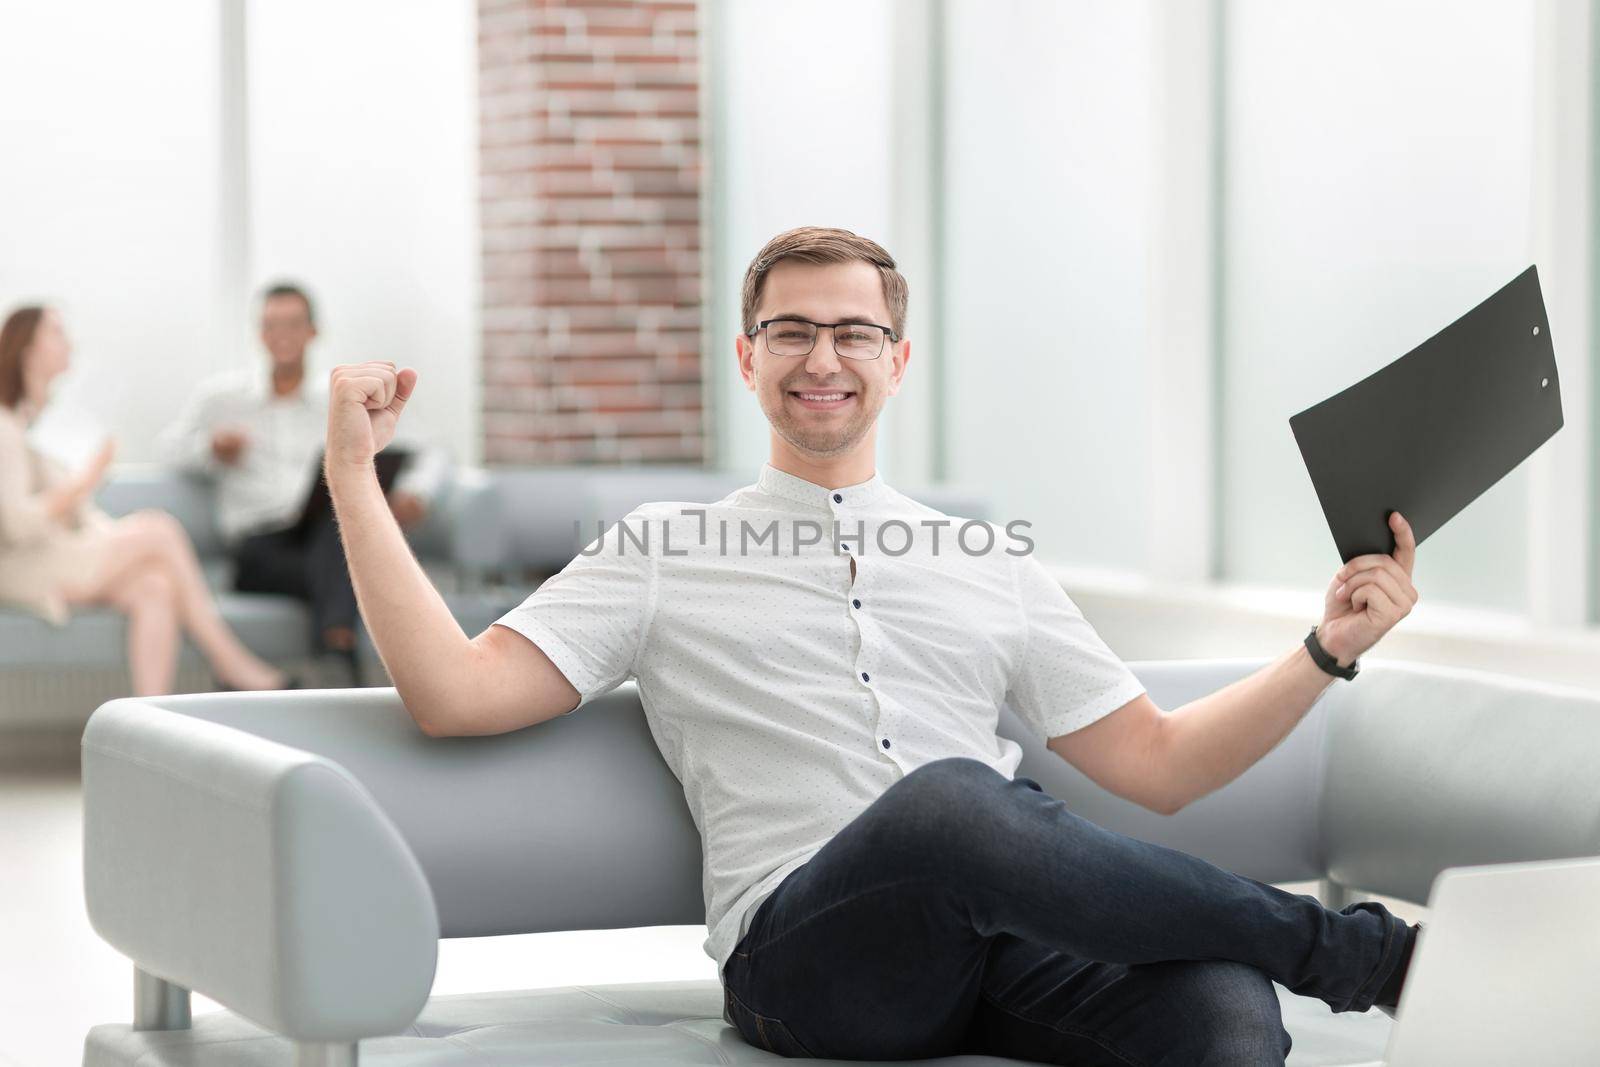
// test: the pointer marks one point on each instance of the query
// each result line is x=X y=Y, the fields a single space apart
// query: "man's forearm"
x=1209 y=742
x=424 y=648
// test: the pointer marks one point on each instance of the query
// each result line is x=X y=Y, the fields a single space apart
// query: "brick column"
x=590 y=162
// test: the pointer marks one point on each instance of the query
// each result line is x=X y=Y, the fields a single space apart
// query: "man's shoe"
x=352 y=664
x=1388 y=999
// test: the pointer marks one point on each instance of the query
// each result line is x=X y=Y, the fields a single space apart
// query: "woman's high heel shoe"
x=290 y=681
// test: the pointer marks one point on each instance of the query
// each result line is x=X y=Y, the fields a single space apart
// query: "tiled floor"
x=57 y=978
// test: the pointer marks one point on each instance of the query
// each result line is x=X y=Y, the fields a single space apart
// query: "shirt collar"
x=259 y=386
x=775 y=482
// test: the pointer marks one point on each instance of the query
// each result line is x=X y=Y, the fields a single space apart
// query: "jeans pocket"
x=765 y=1031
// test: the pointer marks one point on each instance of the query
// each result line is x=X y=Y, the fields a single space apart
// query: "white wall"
x=363 y=185
x=108 y=205
x=361 y=178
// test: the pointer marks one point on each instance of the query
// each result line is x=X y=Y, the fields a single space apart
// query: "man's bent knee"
x=943 y=817
x=940 y=789
x=958 y=775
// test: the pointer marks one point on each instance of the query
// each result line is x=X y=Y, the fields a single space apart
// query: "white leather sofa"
x=297 y=856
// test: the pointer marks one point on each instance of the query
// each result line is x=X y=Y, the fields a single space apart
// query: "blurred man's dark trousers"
x=305 y=562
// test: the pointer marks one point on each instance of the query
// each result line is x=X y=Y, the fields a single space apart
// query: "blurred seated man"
x=260 y=437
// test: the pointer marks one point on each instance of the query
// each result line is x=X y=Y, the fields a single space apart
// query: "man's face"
x=800 y=394
x=286 y=330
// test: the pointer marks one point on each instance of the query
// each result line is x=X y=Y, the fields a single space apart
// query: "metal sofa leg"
x=325 y=1054
x=1335 y=896
x=158 y=1004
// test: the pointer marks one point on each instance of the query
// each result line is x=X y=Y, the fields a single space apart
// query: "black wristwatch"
x=1319 y=655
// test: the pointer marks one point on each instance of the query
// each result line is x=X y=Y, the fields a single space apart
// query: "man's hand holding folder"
x=1431 y=432
x=1368 y=596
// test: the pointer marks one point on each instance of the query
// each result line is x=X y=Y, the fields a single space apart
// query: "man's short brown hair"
x=819 y=244
x=278 y=290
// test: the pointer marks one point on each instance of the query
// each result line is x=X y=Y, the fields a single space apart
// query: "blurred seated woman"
x=58 y=550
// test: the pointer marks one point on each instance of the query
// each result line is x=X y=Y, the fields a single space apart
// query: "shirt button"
x=885 y=742
x=837 y=499
x=865 y=677
x=855 y=603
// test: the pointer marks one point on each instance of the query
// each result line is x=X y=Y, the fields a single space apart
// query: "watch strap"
x=1322 y=659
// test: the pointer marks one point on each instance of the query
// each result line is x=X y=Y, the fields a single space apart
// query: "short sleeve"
x=591 y=618
x=1066 y=677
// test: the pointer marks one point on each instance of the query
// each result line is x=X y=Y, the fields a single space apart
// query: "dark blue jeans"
x=962 y=912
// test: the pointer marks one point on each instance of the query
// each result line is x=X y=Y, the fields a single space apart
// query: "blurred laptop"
x=1506 y=969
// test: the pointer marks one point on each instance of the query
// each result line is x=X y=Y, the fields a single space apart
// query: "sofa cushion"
x=646 y=1022
x=276 y=628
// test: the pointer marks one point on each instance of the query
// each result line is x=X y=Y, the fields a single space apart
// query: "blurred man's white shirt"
x=266 y=489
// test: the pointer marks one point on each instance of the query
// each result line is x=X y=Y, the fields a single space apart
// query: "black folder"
x=1432 y=431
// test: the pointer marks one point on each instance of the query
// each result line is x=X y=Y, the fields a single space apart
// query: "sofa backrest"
x=1265 y=824
x=546 y=510
x=1430 y=766
x=577 y=823
x=189 y=498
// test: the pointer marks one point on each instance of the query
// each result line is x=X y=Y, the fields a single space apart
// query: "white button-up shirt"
x=787 y=695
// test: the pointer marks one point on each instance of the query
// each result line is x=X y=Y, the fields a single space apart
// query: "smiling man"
x=879 y=884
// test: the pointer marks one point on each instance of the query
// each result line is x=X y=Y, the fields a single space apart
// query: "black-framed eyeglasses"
x=797 y=337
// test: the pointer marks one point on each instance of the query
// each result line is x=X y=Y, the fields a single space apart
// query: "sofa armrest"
x=260 y=875
x=1431 y=767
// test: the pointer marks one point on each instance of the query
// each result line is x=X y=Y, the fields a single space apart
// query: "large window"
x=162 y=161
x=1378 y=164
x=1047 y=155
x=1160 y=230
x=109 y=195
